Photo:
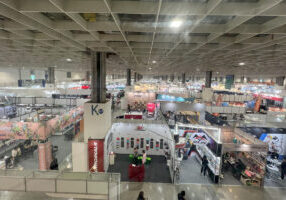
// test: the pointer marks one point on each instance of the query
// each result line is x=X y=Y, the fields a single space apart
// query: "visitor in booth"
x=144 y=157
x=135 y=158
x=205 y=163
x=128 y=108
x=283 y=168
x=191 y=148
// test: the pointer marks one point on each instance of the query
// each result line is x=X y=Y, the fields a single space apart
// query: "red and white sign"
x=270 y=97
x=96 y=155
x=133 y=116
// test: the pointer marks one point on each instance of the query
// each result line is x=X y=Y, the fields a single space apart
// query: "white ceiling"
x=215 y=35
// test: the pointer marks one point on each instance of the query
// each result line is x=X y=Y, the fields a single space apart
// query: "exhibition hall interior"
x=142 y=99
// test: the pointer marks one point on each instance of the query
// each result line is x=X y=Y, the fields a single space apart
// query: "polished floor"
x=165 y=191
x=64 y=149
x=190 y=173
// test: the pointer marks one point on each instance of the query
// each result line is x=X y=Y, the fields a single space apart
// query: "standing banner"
x=96 y=155
x=48 y=153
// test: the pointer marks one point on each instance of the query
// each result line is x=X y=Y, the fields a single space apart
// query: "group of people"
x=136 y=155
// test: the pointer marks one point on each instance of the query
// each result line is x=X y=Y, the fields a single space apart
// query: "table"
x=136 y=172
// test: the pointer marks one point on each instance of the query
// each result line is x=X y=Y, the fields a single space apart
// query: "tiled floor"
x=165 y=191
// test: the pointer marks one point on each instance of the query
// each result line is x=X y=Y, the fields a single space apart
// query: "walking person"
x=283 y=168
x=205 y=163
x=181 y=195
x=141 y=196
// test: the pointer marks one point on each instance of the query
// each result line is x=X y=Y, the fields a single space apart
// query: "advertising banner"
x=276 y=142
x=163 y=97
x=22 y=130
x=60 y=122
x=96 y=155
x=39 y=130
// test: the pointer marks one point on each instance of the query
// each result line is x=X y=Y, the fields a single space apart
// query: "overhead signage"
x=163 y=97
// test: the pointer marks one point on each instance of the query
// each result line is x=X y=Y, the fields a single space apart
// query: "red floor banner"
x=96 y=155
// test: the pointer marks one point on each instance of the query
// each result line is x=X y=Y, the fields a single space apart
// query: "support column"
x=97 y=117
x=229 y=80
x=280 y=80
x=87 y=76
x=128 y=77
x=20 y=81
x=135 y=77
x=51 y=75
x=172 y=77
x=44 y=155
x=98 y=77
x=242 y=79
x=208 y=82
x=183 y=78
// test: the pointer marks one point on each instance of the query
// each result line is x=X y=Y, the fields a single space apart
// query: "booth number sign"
x=95 y=110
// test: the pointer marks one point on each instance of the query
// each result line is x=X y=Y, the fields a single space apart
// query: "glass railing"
x=105 y=185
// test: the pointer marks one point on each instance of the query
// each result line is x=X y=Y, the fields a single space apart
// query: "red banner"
x=96 y=155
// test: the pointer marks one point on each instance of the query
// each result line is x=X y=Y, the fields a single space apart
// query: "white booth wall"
x=151 y=131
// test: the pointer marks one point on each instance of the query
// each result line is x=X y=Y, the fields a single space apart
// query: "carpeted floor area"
x=156 y=172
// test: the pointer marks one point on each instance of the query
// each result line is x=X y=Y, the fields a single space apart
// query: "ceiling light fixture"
x=68 y=60
x=241 y=63
x=154 y=61
x=176 y=23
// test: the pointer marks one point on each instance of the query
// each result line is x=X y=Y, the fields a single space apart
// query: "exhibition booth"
x=183 y=112
x=138 y=100
x=275 y=138
x=234 y=157
x=154 y=138
x=36 y=130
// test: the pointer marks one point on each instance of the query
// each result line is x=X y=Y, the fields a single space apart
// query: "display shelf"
x=246 y=162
